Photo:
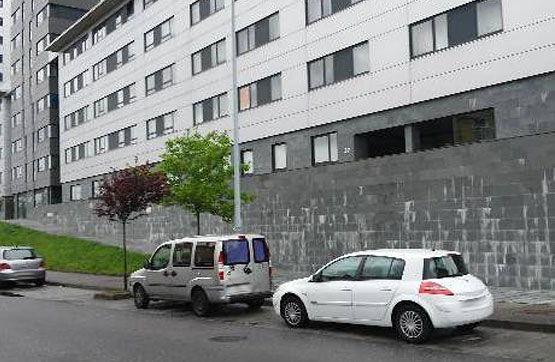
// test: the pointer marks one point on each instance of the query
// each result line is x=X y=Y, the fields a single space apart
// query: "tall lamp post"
x=238 y=222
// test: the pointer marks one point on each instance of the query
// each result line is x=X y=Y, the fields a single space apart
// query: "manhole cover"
x=228 y=339
x=10 y=294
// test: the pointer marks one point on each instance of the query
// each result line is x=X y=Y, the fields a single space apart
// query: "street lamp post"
x=238 y=223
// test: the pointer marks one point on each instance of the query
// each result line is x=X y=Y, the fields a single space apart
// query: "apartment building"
x=396 y=119
x=4 y=94
x=32 y=168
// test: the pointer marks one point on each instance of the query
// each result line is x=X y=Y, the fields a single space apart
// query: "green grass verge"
x=68 y=254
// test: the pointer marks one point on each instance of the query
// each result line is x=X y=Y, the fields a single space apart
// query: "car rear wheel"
x=413 y=324
x=294 y=313
x=39 y=282
x=140 y=298
x=201 y=304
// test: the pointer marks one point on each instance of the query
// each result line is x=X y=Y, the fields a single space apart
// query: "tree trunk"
x=124 y=224
x=198 y=223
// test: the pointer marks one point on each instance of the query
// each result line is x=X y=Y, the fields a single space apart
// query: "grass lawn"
x=68 y=254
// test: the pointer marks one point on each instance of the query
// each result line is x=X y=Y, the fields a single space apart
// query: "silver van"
x=206 y=270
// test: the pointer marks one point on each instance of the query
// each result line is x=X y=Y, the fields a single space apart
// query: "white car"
x=412 y=290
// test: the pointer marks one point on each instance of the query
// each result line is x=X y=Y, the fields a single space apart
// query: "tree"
x=125 y=197
x=199 y=173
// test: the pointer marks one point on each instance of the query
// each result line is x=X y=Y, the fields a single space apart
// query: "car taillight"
x=42 y=264
x=434 y=288
x=5 y=266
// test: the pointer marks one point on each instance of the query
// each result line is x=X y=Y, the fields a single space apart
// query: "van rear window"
x=444 y=267
x=236 y=252
x=261 y=252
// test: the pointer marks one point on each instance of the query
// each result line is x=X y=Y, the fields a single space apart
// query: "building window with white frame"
x=47 y=102
x=339 y=66
x=159 y=80
x=324 y=148
x=77 y=118
x=77 y=83
x=202 y=9
x=49 y=70
x=76 y=49
x=258 y=34
x=279 y=157
x=160 y=126
x=457 y=26
x=114 y=61
x=43 y=43
x=116 y=100
x=77 y=153
x=210 y=109
x=158 y=35
x=247 y=159
x=261 y=92
x=114 y=22
x=96 y=189
x=319 y=9
x=209 y=57
x=75 y=193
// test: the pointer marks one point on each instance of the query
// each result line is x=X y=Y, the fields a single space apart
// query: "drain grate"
x=228 y=339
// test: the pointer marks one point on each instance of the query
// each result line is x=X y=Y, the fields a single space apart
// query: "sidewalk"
x=514 y=309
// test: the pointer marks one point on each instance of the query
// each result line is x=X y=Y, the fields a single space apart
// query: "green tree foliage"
x=200 y=174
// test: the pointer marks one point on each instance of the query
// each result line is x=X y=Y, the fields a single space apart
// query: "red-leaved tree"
x=126 y=196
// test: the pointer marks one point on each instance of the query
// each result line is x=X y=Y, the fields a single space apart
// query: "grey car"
x=21 y=264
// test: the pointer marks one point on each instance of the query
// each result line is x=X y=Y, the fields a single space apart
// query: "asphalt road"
x=55 y=324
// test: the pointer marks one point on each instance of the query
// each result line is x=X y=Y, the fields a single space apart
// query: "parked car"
x=206 y=271
x=21 y=264
x=413 y=291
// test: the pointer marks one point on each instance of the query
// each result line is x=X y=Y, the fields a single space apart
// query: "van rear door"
x=235 y=267
x=261 y=265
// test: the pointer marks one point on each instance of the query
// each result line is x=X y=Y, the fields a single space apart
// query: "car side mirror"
x=316 y=278
x=146 y=264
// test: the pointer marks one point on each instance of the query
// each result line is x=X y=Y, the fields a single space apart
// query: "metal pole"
x=238 y=223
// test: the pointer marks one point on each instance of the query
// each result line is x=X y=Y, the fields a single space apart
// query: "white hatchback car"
x=412 y=290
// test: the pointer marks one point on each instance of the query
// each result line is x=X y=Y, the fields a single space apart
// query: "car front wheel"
x=140 y=297
x=294 y=313
x=413 y=324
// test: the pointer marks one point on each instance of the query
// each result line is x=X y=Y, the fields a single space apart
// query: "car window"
x=204 y=255
x=182 y=255
x=444 y=267
x=381 y=267
x=19 y=254
x=261 y=251
x=343 y=269
x=236 y=252
x=161 y=258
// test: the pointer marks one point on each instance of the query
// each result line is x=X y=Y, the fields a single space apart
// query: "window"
x=50 y=131
x=77 y=153
x=17 y=172
x=19 y=254
x=210 y=109
x=260 y=92
x=341 y=65
x=16 y=42
x=45 y=42
x=182 y=254
x=261 y=251
x=279 y=157
x=258 y=34
x=114 y=61
x=324 y=148
x=47 y=102
x=77 y=118
x=17 y=146
x=115 y=100
x=381 y=267
x=16 y=93
x=160 y=126
x=209 y=57
x=158 y=35
x=17 y=119
x=42 y=15
x=202 y=9
x=147 y=3
x=453 y=130
x=319 y=9
x=76 y=84
x=116 y=21
x=49 y=70
x=160 y=80
x=449 y=266
x=460 y=25
x=380 y=143
x=247 y=159
x=41 y=197
x=96 y=188
x=204 y=255
x=236 y=252
x=161 y=258
x=75 y=193
x=16 y=68
x=119 y=139
x=75 y=50
x=343 y=269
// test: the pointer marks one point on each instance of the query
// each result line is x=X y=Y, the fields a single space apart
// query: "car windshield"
x=444 y=267
x=19 y=254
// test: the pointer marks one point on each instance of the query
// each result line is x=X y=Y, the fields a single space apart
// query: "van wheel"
x=140 y=298
x=413 y=324
x=201 y=305
x=255 y=303
x=294 y=313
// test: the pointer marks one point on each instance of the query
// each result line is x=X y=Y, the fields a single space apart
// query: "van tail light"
x=42 y=264
x=434 y=289
x=5 y=266
x=221 y=275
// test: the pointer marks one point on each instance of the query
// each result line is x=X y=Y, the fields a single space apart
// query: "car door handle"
x=386 y=290
x=174 y=274
x=346 y=290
